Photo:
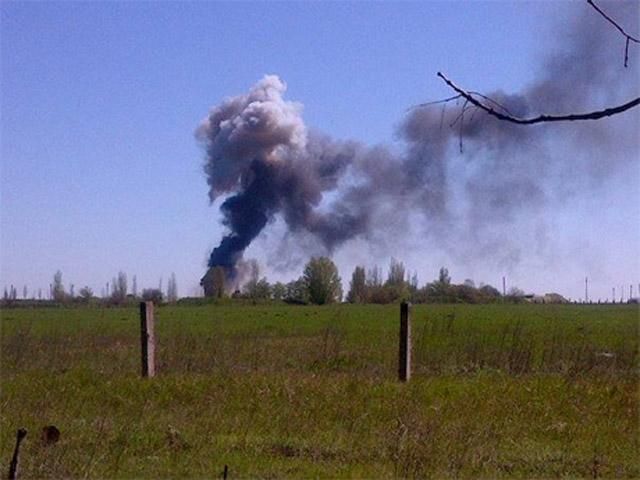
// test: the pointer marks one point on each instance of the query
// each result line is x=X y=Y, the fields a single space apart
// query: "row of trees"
x=399 y=285
x=320 y=284
x=368 y=287
x=117 y=292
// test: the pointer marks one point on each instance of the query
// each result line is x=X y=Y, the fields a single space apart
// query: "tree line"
x=321 y=284
x=116 y=292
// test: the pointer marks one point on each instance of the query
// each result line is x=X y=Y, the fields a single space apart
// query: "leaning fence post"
x=404 y=365
x=147 y=339
x=15 y=460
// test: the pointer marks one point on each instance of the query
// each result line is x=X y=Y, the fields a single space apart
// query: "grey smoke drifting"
x=260 y=153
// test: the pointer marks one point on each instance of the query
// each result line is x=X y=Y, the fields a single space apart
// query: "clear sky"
x=101 y=171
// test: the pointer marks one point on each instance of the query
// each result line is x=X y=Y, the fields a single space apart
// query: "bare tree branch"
x=596 y=115
x=493 y=108
x=628 y=37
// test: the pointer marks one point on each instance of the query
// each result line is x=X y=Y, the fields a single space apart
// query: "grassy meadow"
x=278 y=391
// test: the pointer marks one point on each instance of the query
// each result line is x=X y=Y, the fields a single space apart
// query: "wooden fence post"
x=147 y=339
x=15 y=460
x=404 y=365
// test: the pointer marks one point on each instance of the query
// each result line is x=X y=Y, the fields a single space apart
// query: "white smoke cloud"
x=247 y=126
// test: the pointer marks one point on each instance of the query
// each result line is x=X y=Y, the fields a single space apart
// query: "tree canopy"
x=322 y=281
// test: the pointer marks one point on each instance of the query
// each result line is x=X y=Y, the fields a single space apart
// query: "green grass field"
x=278 y=391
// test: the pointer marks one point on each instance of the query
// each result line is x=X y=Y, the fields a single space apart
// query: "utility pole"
x=504 y=287
x=586 y=290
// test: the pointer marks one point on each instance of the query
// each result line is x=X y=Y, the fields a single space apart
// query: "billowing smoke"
x=260 y=154
x=259 y=149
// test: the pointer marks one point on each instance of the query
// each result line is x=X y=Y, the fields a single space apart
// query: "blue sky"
x=101 y=171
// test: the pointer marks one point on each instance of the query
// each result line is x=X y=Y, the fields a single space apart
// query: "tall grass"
x=278 y=391
x=447 y=344
x=359 y=341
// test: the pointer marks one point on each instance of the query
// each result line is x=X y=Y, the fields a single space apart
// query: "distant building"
x=546 y=298
x=554 y=298
x=535 y=298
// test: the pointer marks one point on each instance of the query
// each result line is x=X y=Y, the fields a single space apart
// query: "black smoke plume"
x=261 y=154
x=259 y=149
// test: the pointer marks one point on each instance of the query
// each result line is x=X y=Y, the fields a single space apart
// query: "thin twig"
x=475 y=109
x=455 y=97
x=626 y=53
x=613 y=22
x=461 y=114
x=444 y=107
x=491 y=100
x=628 y=37
x=464 y=109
